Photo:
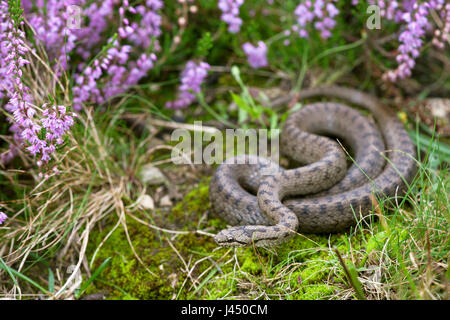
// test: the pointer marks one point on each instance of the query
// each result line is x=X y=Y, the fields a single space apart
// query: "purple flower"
x=50 y=21
x=117 y=70
x=415 y=20
x=413 y=17
x=98 y=16
x=3 y=217
x=320 y=13
x=149 y=27
x=192 y=78
x=256 y=56
x=230 y=14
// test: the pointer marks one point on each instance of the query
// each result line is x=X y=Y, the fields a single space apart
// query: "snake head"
x=230 y=238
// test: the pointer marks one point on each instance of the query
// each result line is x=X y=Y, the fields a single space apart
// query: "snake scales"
x=332 y=197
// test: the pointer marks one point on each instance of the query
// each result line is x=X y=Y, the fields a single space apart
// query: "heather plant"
x=256 y=55
x=191 y=79
x=415 y=17
x=38 y=130
x=230 y=14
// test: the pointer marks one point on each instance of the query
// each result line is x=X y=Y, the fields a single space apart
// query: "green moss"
x=251 y=264
x=126 y=277
x=125 y=271
x=316 y=292
x=221 y=287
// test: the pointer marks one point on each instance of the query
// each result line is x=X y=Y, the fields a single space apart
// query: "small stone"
x=146 y=202
x=173 y=277
x=151 y=175
x=165 y=201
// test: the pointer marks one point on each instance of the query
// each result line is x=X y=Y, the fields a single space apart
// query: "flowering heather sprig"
x=411 y=42
x=140 y=68
x=12 y=46
x=192 y=78
x=97 y=16
x=121 y=75
x=415 y=19
x=37 y=135
x=149 y=27
x=125 y=30
x=50 y=23
x=319 y=12
x=113 y=73
x=110 y=75
x=3 y=217
x=230 y=14
x=85 y=88
x=256 y=56
x=56 y=121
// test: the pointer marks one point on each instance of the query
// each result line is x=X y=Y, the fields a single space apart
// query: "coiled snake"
x=333 y=197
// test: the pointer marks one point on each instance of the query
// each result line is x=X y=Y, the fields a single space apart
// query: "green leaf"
x=13 y=273
x=204 y=45
x=51 y=281
x=52 y=101
x=240 y=102
x=427 y=143
x=42 y=133
x=355 y=281
x=96 y=273
x=273 y=121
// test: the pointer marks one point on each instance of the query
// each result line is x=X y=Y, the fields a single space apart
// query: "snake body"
x=321 y=196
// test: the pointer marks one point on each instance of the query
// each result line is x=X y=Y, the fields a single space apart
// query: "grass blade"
x=96 y=273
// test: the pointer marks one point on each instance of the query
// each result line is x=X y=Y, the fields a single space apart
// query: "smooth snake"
x=322 y=196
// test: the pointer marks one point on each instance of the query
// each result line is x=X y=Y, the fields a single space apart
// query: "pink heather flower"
x=192 y=78
x=149 y=27
x=98 y=15
x=85 y=87
x=50 y=21
x=414 y=16
x=124 y=64
x=256 y=56
x=6 y=82
x=414 y=20
x=319 y=13
x=3 y=217
x=119 y=68
x=230 y=14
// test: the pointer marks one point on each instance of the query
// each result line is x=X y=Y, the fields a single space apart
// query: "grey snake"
x=322 y=196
